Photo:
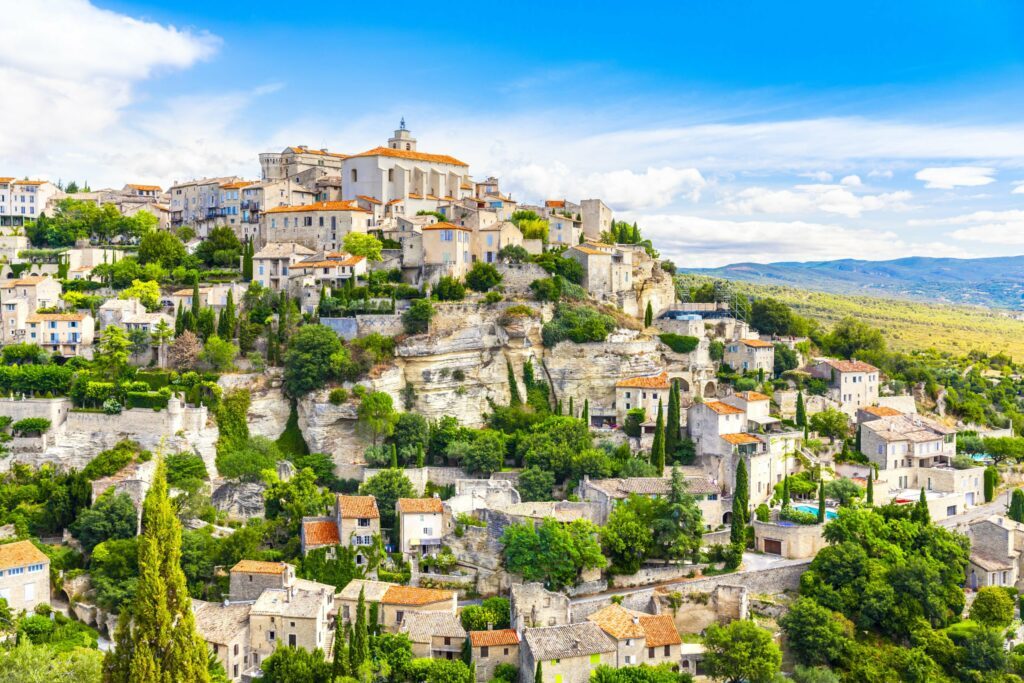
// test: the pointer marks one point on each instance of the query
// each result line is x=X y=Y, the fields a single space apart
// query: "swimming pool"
x=813 y=509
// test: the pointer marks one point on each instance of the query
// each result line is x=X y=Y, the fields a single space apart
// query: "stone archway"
x=727 y=518
x=684 y=386
x=709 y=390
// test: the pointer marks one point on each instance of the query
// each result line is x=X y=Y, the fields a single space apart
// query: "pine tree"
x=196 y=307
x=513 y=387
x=1016 y=512
x=801 y=411
x=658 y=445
x=359 y=645
x=821 y=502
x=179 y=321
x=871 y=486
x=648 y=315
x=672 y=427
x=538 y=675
x=742 y=489
x=586 y=411
x=156 y=636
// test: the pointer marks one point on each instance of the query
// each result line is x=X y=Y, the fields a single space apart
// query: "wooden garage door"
x=772 y=547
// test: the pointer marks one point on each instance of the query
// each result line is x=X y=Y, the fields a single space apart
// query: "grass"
x=909 y=325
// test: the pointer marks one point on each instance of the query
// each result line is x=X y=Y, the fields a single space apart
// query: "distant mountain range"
x=993 y=282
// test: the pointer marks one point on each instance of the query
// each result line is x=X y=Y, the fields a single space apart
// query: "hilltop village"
x=384 y=422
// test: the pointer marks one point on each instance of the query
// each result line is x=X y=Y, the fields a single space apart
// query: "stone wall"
x=650 y=575
x=388 y=324
x=516 y=277
x=346 y=328
x=53 y=409
x=533 y=606
x=419 y=476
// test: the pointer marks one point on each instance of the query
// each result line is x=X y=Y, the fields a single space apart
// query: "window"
x=291 y=639
x=650 y=653
x=398 y=616
x=236 y=649
x=484 y=651
x=391 y=175
x=30 y=592
x=355 y=176
x=668 y=650
x=271 y=636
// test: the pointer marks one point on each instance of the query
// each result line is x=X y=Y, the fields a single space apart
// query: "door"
x=970 y=498
x=772 y=547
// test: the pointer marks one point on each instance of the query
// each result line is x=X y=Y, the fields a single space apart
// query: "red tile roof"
x=409 y=154
x=358 y=507
x=319 y=206
x=850 y=365
x=20 y=554
x=723 y=408
x=422 y=506
x=650 y=382
x=256 y=567
x=739 y=439
x=660 y=630
x=320 y=532
x=496 y=638
x=412 y=595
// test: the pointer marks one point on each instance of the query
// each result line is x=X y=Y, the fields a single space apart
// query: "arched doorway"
x=727 y=518
x=709 y=389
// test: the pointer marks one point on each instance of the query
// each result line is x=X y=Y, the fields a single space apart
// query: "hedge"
x=678 y=342
x=35 y=379
x=147 y=399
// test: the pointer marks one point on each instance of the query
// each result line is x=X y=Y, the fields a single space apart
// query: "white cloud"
x=851 y=181
x=820 y=176
x=973 y=217
x=838 y=199
x=708 y=242
x=1002 y=234
x=1018 y=187
x=949 y=177
x=885 y=174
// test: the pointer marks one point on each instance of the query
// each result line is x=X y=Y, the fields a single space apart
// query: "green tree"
x=220 y=248
x=359 y=643
x=648 y=315
x=219 y=353
x=156 y=638
x=387 y=487
x=821 y=502
x=801 y=411
x=1016 y=512
x=112 y=354
x=658 y=445
x=990 y=477
x=377 y=416
x=110 y=517
x=772 y=317
x=160 y=246
x=486 y=453
x=361 y=244
x=148 y=293
x=851 y=337
x=552 y=552
x=247 y=258
x=585 y=416
x=741 y=653
x=482 y=277
x=673 y=423
x=815 y=634
x=513 y=387
x=538 y=674
x=449 y=289
x=27 y=662
x=870 y=499
x=294 y=665
x=416 y=320
x=742 y=490
x=993 y=607
x=832 y=423
x=536 y=484
x=738 y=528
x=312 y=359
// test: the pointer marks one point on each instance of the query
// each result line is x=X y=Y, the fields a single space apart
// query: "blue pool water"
x=813 y=509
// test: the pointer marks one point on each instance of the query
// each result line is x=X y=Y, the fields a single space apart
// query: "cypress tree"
x=871 y=486
x=801 y=411
x=785 y=491
x=658 y=445
x=586 y=411
x=572 y=408
x=340 y=664
x=421 y=458
x=513 y=387
x=394 y=457
x=247 y=257
x=742 y=489
x=373 y=620
x=672 y=428
x=538 y=675
x=196 y=307
x=990 y=484
x=1016 y=512
x=920 y=512
x=179 y=321
x=821 y=502
x=229 y=313
x=156 y=636
x=738 y=529
x=222 y=325
x=359 y=645
x=648 y=315
x=558 y=407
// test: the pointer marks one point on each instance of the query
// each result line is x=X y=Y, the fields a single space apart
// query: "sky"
x=730 y=131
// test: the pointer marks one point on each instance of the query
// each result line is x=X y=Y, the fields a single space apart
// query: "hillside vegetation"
x=908 y=325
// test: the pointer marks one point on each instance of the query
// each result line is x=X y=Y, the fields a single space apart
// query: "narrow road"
x=996 y=507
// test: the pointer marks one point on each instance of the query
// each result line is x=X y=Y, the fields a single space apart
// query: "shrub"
x=482 y=276
x=30 y=425
x=450 y=289
x=576 y=323
x=338 y=396
x=112 y=461
x=492 y=298
x=678 y=342
x=791 y=514
x=416 y=320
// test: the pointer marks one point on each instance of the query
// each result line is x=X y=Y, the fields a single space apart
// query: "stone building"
x=271 y=265
x=640 y=638
x=438 y=635
x=395 y=601
x=645 y=393
x=569 y=653
x=607 y=493
x=225 y=628
x=24 y=576
x=597 y=218
x=533 y=606
x=354 y=523
x=750 y=355
x=321 y=226
x=852 y=383
x=997 y=543
x=420 y=525
x=491 y=648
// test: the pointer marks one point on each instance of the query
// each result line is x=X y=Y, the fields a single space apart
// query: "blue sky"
x=729 y=130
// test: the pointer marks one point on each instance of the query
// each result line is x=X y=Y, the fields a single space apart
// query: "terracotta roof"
x=20 y=554
x=372 y=200
x=318 y=152
x=6 y=179
x=320 y=532
x=757 y=343
x=722 y=408
x=237 y=185
x=147 y=188
x=420 y=505
x=660 y=630
x=257 y=567
x=749 y=396
x=409 y=154
x=47 y=317
x=740 y=439
x=555 y=203
x=850 y=365
x=445 y=226
x=882 y=411
x=395 y=201
x=495 y=638
x=649 y=382
x=616 y=621
x=411 y=595
x=30 y=182
x=413 y=195
x=25 y=281
x=318 y=206
x=358 y=507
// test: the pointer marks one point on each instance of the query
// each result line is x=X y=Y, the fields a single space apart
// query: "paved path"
x=996 y=507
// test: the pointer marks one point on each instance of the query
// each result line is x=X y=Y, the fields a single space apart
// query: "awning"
x=763 y=420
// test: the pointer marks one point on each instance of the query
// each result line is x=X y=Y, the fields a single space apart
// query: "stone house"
x=64 y=334
x=569 y=653
x=321 y=226
x=130 y=314
x=564 y=230
x=997 y=543
x=271 y=265
x=225 y=628
x=791 y=541
x=607 y=493
x=395 y=601
x=597 y=218
x=489 y=240
x=642 y=392
x=354 y=523
x=533 y=606
x=491 y=648
x=24 y=576
x=420 y=525
x=852 y=383
x=607 y=270
x=21 y=298
x=438 y=635
x=640 y=638
x=449 y=247
x=214 y=296
x=750 y=355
